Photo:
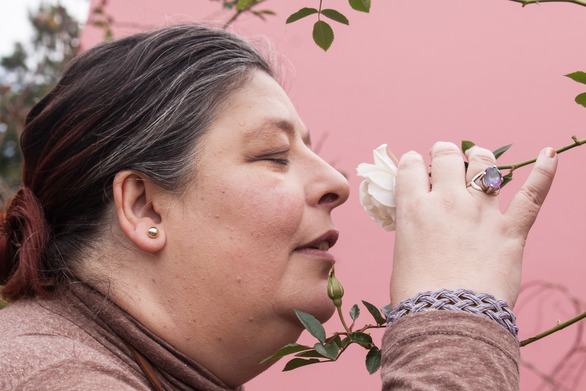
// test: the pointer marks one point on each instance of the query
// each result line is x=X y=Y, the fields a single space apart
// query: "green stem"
x=319 y=10
x=512 y=167
x=525 y=2
x=339 y=308
x=560 y=326
x=240 y=12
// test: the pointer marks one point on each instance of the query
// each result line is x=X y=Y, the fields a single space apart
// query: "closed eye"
x=280 y=157
x=283 y=162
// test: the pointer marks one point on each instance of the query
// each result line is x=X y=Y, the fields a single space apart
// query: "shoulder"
x=31 y=328
x=43 y=346
x=70 y=374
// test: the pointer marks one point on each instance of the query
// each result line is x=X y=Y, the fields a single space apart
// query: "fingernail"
x=549 y=152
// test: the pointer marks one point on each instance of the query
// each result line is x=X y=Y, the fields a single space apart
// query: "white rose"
x=377 y=191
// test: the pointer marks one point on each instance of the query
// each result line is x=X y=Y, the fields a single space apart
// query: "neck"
x=212 y=331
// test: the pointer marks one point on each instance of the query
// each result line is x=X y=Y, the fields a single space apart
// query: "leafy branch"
x=323 y=34
x=243 y=7
x=579 y=77
x=329 y=349
x=466 y=144
x=526 y=2
x=559 y=327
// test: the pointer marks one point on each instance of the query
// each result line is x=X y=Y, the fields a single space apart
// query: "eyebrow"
x=282 y=124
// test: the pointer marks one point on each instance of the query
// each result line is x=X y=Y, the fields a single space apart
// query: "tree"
x=26 y=75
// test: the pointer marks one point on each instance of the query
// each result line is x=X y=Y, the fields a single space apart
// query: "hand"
x=452 y=236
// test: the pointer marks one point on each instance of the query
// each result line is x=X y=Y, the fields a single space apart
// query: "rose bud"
x=335 y=289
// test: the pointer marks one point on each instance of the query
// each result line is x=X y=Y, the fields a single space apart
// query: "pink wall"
x=411 y=73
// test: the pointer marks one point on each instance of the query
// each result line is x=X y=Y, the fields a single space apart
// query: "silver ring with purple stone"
x=488 y=181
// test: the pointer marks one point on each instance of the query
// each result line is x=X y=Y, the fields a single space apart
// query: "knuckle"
x=409 y=160
x=534 y=196
x=487 y=159
x=482 y=155
x=542 y=171
x=444 y=148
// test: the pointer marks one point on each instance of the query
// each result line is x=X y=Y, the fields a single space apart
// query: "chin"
x=319 y=306
x=325 y=311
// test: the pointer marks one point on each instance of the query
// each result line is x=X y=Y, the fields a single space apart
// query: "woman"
x=173 y=216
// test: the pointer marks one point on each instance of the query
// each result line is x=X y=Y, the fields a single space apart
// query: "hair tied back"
x=23 y=239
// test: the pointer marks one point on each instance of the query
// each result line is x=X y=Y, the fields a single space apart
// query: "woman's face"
x=254 y=228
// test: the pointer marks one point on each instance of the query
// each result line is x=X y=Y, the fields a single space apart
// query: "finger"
x=412 y=176
x=447 y=166
x=525 y=205
x=479 y=159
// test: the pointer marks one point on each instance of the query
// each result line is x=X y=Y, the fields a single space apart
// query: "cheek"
x=252 y=221
x=267 y=211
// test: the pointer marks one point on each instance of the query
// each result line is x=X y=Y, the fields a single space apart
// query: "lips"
x=322 y=243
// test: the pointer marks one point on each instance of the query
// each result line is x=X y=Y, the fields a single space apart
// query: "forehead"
x=271 y=127
x=261 y=109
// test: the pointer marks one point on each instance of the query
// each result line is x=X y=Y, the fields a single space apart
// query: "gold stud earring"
x=153 y=232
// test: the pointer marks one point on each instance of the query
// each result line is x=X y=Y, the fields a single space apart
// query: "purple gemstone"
x=493 y=178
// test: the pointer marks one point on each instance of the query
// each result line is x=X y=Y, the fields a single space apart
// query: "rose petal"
x=382 y=179
x=377 y=190
x=382 y=195
x=382 y=159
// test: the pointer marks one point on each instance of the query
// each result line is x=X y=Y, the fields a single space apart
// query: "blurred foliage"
x=26 y=75
x=102 y=20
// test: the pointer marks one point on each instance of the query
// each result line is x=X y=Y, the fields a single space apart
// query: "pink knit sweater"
x=77 y=341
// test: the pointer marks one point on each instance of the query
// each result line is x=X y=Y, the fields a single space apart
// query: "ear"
x=137 y=204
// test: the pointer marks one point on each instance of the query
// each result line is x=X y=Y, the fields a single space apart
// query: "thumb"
x=525 y=205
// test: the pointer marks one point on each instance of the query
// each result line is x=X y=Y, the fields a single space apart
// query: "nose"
x=327 y=187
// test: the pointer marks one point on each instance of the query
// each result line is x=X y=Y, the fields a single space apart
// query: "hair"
x=140 y=103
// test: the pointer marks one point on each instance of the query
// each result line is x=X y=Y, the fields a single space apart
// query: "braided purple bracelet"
x=463 y=300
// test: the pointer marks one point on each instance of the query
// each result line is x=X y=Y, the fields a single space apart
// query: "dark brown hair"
x=139 y=103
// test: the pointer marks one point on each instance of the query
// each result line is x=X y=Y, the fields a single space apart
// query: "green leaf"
x=579 y=76
x=507 y=178
x=335 y=15
x=309 y=353
x=498 y=152
x=345 y=342
x=354 y=312
x=360 y=5
x=378 y=318
x=361 y=338
x=323 y=35
x=337 y=340
x=328 y=351
x=373 y=359
x=581 y=99
x=244 y=4
x=302 y=13
x=285 y=350
x=466 y=145
x=300 y=362
x=386 y=310
x=312 y=325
